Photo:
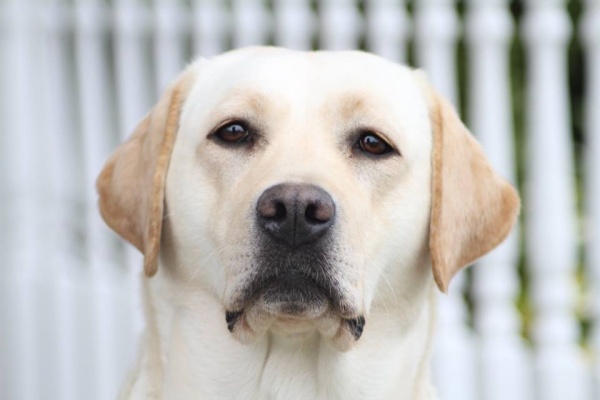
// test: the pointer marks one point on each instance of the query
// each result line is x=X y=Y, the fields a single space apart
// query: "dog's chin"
x=253 y=323
x=293 y=306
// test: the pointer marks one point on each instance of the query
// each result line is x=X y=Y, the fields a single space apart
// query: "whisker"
x=383 y=275
x=206 y=260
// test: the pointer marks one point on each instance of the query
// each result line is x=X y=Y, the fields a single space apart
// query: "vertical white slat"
x=5 y=389
x=170 y=30
x=134 y=89
x=454 y=359
x=294 y=24
x=505 y=365
x=590 y=32
x=133 y=83
x=436 y=30
x=551 y=225
x=94 y=310
x=4 y=203
x=210 y=27
x=340 y=25
x=18 y=297
x=388 y=28
x=250 y=23
x=64 y=167
x=5 y=192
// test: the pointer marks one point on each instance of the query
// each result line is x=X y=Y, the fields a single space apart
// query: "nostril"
x=272 y=210
x=318 y=213
x=310 y=212
x=280 y=211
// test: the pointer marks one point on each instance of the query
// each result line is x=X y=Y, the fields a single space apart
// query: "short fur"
x=403 y=221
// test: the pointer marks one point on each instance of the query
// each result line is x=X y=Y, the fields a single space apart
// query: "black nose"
x=295 y=214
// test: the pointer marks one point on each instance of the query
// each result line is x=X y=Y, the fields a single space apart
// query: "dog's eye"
x=373 y=144
x=234 y=132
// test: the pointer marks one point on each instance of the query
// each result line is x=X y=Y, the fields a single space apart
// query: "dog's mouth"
x=294 y=295
x=355 y=326
x=293 y=299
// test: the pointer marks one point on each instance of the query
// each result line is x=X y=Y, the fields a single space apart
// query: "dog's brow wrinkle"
x=241 y=99
x=351 y=104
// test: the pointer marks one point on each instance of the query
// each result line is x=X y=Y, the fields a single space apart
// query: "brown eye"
x=373 y=144
x=234 y=132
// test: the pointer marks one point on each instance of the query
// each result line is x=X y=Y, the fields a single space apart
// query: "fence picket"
x=23 y=295
x=171 y=24
x=504 y=360
x=96 y=337
x=388 y=28
x=6 y=335
x=210 y=27
x=294 y=24
x=65 y=205
x=590 y=31
x=133 y=85
x=340 y=25
x=251 y=23
x=551 y=229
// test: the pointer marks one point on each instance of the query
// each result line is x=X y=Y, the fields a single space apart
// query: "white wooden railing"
x=504 y=360
x=75 y=76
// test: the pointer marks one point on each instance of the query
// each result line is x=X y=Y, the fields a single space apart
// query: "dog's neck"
x=188 y=353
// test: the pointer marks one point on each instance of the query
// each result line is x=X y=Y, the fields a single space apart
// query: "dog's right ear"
x=473 y=208
x=131 y=185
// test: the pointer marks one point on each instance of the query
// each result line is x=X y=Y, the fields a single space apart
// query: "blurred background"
x=76 y=76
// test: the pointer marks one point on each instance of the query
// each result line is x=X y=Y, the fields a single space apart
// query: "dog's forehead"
x=281 y=72
x=338 y=83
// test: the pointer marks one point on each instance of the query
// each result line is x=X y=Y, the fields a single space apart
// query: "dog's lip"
x=294 y=297
x=290 y=297
x=254 y=295
x=231 y=318
x=303 y=302
x=266 y=289
x=355 y=326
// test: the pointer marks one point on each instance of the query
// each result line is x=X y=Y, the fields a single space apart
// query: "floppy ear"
x=131 y=185
x=473 y=209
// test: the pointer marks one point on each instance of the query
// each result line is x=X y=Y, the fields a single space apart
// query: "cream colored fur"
x=403 y=224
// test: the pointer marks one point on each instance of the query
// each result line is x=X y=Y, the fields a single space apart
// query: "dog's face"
x=296 y=180
x=299 y=183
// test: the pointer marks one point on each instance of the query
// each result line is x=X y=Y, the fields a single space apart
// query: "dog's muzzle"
x=294 y=222
x=294 y=278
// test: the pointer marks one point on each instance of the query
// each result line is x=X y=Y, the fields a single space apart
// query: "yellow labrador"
x=296 y=210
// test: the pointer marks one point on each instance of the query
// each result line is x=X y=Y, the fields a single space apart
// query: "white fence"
x=75 y=76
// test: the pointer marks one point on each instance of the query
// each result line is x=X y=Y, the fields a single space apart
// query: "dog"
x=296 y=211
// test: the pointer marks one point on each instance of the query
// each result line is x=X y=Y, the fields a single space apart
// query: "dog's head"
x=291 y=185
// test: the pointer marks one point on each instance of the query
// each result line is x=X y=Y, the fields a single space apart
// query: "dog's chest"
x=305 y=368
x=272 y=370
x=291 y=371
x=312 y=369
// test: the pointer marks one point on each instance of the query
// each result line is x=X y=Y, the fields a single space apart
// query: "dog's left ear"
x=131 y=185
x=473 y=209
